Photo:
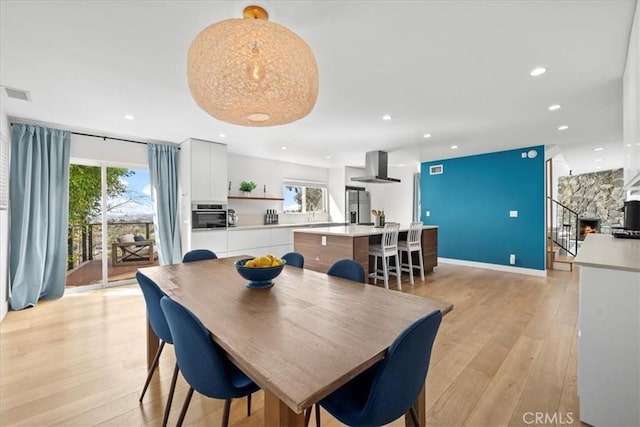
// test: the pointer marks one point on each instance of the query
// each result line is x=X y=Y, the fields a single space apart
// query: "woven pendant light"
x=252 y=72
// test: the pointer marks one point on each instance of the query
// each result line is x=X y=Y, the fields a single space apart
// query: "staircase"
x=562 y=238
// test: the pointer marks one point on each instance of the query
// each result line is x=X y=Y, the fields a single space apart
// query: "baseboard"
x=497 y=267
x=562 y=266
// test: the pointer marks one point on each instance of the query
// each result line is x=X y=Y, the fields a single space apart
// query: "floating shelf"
x=254 y=198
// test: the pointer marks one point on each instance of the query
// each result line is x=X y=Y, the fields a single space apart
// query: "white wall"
x=395 y=199
x=127 y=154
x=268 y=174
x=337 y=194
x=5 y=134
x=352 y=172
x=631 y=110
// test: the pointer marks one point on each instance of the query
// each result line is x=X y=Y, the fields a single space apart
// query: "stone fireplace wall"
x=595 y=195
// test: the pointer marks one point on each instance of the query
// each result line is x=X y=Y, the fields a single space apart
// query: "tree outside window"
x=302 y=199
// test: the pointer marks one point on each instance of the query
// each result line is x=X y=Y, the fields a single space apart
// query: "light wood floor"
x=507 y=351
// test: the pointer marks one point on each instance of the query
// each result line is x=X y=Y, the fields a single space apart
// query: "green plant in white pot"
x=247 y=187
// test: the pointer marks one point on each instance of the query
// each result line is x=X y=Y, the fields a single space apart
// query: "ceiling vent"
x=22 y=95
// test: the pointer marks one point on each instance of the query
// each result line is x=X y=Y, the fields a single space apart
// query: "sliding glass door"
x=110 y=225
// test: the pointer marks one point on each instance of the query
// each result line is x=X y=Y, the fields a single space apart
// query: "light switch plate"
x=324 y=240
x=513 y=214
x=428 y=213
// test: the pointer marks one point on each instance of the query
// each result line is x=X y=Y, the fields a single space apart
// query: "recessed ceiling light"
x=327 y=157
x=222 y=135
x=426 y=135
x=538 y=71
x=283 y=148
x=129 y=117
x=563 y=127
x=628 y=145
x=598 y=167
x=386 y=117
x=598 y=149
x=597 y=160
x=454 y=147
x=554 y=107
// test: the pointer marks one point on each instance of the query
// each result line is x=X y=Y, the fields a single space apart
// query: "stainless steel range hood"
x=376 y=169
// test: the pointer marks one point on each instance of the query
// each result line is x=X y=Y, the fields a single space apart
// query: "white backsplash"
x=249 y=219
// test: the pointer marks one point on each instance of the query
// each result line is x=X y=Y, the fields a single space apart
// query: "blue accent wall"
x=471 y=200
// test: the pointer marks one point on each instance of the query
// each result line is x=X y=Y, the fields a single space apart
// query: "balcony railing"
x=84 y=242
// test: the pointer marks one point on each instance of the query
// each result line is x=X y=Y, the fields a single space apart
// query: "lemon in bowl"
x=260 y=271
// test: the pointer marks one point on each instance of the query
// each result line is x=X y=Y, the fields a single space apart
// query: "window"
x=302 y=197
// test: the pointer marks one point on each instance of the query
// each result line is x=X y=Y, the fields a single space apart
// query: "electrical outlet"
x=427 y=213
x=512 y=259
x=513 y=214
x=324 y=240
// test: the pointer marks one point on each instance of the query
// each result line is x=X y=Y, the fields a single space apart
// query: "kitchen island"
x=322 y=246
x=609 y=331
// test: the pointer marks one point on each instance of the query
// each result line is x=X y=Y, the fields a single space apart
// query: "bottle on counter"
x=382 y=220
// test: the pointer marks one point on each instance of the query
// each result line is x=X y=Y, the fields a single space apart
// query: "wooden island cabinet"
x=323 y=246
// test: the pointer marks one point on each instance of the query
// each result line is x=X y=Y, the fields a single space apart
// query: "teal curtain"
x=39 y=201
x=163 y=177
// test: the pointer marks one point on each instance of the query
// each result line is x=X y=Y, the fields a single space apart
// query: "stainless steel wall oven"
x=208 y=216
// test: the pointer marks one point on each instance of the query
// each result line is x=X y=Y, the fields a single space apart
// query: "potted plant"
x=247 y=187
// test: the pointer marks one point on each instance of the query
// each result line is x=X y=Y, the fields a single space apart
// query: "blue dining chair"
x=202 y=362
x=152 y=295
x=388 y=390
x=347 y=269
x=199 y=255
x=294 y=259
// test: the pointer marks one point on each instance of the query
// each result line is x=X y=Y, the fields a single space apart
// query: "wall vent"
x=436 y=170
x=20 y=94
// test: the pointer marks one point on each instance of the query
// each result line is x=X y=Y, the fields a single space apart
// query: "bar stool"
x=387 y=248
x=412 y=244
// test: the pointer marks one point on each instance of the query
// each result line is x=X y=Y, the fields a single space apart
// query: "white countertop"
x=606 y=251
x=353 y=230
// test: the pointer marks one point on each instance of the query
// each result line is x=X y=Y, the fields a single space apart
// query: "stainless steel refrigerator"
x=358 y=204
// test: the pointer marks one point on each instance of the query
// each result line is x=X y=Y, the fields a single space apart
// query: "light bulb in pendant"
x=256 y=69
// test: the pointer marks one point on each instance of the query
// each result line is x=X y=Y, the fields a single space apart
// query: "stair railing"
x=565 y=230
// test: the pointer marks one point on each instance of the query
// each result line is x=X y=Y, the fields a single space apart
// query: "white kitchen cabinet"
x=199 y=169
x=269 y=240
x=248 y=242
x=207 y=168
x=203 y=178
x=218 y=178
x=281 y=241
x=281 y=236
x=214 y=240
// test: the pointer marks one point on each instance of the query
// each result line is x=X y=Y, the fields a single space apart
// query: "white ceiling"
x=456 y=69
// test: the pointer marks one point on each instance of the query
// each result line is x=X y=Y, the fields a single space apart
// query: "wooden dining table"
x=299 y=340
